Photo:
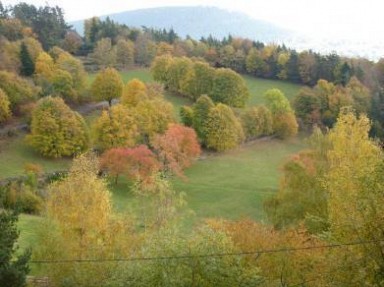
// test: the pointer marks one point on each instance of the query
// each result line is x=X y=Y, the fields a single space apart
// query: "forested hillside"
x=198 y=22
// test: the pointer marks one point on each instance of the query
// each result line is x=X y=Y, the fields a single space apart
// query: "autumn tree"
x=284 y=120
x=79 y=224
x=176 y=148
x=307 y=105
x=116 y=127
x=223 y=129
x=301 y=196
x=145 y=50
x=107 y=85
x=198 y=81
x=153 y=117
x=361 y=95
x=104 y=53
x=159 y=69
x=18 y=90
x=56 y=130
x=5 y=112
x=133 y=92
x=44 y=72
x=138 y=163
x=255 y=64
x=256 y=122
x=177 y=72
x=75 y=68
x=355 y=203
x=229 y=88
x=125 y=53
x=62 y=85
x=72 y=42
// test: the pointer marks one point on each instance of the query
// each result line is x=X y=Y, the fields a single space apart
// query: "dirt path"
x=16 y=125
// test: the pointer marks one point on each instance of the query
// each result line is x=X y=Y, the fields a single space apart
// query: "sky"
x=352 y=19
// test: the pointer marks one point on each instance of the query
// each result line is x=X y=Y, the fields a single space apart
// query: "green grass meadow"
x=228 y=185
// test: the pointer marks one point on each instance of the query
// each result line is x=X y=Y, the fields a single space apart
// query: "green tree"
x=284 y=120
x=56 y=130
x=200 y=111
x=186 y=115
x=27 y=64
x=13 y=267
x=229 y=88
x=256 y=122
x=115 y=128
x=107 y=85
x=198 y=80
x=223 y=129
x=62 y=85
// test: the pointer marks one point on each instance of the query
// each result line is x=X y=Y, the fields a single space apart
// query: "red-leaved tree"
x=138 y=163
x=176 y=148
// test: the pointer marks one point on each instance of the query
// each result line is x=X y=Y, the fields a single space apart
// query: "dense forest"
x=324 y=226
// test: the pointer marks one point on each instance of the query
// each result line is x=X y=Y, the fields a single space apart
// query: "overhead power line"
x=256 y=252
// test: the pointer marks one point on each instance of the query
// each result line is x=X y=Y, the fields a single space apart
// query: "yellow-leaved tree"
x=134 y=91
x=5 y=112
x=79 y=225
x=56 y=130
x=115 y=128
x=152 y=117
x=356 y=204
x=107 y=85
x=223 y=129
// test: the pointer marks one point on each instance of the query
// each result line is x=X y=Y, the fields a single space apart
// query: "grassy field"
x=15 y=153
x=228 y=185
x=257 y=87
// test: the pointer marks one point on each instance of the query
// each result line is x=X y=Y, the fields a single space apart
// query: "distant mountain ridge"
x=198 y=22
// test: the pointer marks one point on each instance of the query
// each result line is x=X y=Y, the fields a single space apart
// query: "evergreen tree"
x=27 y=64
x=12 y=272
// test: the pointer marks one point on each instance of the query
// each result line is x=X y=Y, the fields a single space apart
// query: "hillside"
x=199 y=21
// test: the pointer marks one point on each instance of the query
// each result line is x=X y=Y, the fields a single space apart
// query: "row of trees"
x=220 y=128
x=196 y=78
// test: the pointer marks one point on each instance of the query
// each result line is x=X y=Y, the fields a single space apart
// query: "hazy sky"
x=353 y=19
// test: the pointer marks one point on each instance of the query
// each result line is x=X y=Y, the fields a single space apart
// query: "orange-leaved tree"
x=176 y=148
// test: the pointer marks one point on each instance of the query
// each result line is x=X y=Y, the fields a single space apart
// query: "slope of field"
x=227 y=185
